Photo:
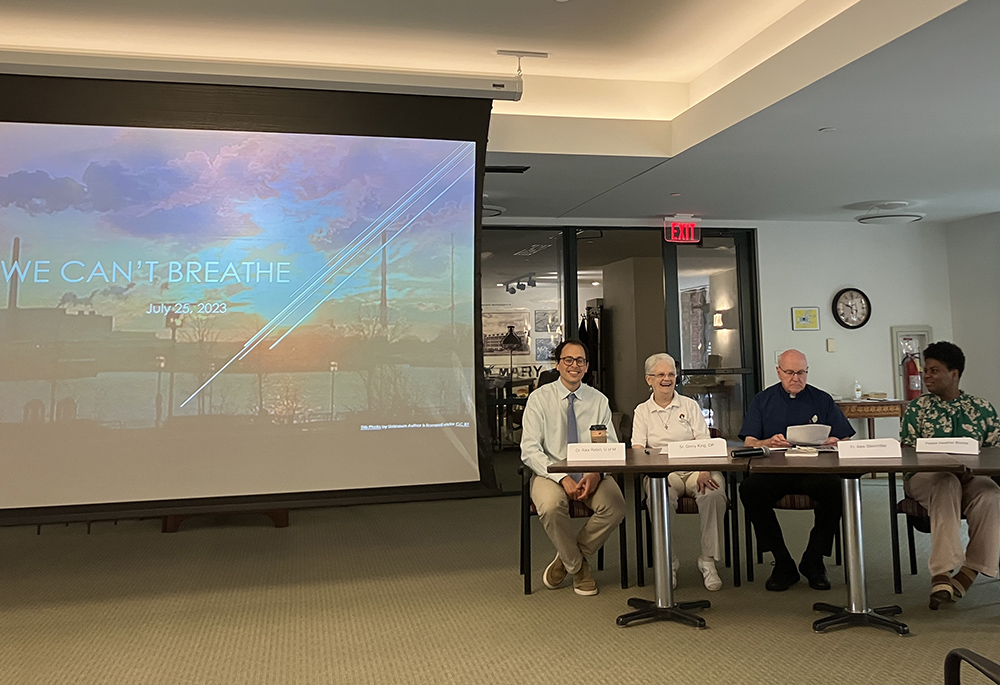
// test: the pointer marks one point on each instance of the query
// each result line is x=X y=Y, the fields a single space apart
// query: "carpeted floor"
x=429 y=593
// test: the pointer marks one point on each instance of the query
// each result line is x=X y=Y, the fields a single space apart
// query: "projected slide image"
x=233 y=284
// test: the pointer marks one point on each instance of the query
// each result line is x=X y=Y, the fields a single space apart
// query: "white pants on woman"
x=711 y=507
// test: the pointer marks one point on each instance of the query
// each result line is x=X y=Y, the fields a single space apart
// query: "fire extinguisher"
x=914 y=381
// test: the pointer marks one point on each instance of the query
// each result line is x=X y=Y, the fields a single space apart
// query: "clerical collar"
x=792 y=395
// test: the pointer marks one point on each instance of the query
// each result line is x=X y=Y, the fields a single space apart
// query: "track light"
x=531 y=281
x=510 y=289
x=520 y=285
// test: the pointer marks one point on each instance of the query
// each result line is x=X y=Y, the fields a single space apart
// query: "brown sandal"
x=942 y=591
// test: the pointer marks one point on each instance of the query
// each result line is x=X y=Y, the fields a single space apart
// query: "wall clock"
x=851 y=308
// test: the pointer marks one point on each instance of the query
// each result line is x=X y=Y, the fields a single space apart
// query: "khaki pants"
x=946 y=496
x=552 y=504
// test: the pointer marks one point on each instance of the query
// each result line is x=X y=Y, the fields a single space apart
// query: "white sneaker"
x=712 y=580
x=674 y=566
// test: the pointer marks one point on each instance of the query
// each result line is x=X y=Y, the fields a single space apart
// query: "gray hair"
x=654 y=359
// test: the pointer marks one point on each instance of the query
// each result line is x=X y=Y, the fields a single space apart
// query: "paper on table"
x=948 y=445
x=869 y=449
x=595 y=452
x=711 y=449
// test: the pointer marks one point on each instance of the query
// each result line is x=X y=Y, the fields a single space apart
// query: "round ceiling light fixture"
x=888 y=214
x=491 y=210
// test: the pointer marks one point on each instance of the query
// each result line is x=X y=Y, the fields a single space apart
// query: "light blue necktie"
x=572 y=435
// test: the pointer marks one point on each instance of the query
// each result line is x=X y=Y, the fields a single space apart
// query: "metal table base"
x=663 y=608
x=857 y=611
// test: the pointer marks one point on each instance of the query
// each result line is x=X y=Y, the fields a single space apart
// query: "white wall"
x=903 y=270
x=973 y=256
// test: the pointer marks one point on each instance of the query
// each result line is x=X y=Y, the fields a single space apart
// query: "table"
x=857 y=612
x=873 y=409
x=987 y=463
x=657 y=466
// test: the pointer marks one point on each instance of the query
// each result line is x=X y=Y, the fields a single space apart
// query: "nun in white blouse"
x=668 y=416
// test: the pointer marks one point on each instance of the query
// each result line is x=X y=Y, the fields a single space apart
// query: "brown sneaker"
x=583 y=582
x=555 y=574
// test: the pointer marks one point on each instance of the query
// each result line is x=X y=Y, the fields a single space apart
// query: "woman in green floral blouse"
x=948 y=412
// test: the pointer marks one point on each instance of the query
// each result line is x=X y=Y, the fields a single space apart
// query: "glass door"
x=523 y=311
x=718 y=329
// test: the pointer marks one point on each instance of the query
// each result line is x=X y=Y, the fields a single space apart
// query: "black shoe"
x=815 y=573
x=782 y=577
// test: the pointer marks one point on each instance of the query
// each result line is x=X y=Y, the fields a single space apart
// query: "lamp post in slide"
x=333 y=381
x=173 y=322
x=161 y=361
x=211 y=374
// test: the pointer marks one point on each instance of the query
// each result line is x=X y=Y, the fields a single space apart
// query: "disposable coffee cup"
x=599 y=433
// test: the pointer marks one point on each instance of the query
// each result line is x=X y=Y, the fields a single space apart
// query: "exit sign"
x=681 y=231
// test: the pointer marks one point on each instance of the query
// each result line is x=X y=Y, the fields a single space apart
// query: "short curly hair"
x=947 y=353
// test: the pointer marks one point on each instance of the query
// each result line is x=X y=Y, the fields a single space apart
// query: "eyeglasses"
x=661 y=376
x=573 y=361
x=800 y=374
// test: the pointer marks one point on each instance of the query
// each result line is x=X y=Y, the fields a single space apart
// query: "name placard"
x=868 y=449
x=948 y=445
x=692 y=449
x=595 y=452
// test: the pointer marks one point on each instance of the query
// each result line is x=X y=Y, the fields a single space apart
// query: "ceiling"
x=645 y=40
x=915 y=120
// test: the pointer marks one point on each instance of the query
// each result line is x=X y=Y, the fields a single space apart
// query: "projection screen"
x=198 y=313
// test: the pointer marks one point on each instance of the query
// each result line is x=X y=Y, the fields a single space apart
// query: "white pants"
x=711 y=507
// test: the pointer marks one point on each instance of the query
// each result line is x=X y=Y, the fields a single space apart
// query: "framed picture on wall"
x=546 y=321
x=496 y=325
x=544 y=348
x=805 y=318
x=908 y=343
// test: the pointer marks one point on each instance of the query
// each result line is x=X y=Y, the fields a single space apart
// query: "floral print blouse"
x=966 y=416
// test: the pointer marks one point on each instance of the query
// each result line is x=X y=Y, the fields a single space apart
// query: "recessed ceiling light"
x=827 y=129
x=493 y=210
x=592 y=282
x=675 y=194
x=888 y=219
x=534 y=249
x=888 y=213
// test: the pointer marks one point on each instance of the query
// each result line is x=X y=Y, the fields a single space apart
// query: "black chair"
x=576 y=510
x=953 y=666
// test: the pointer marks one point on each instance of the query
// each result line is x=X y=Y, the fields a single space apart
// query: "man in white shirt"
x=557 y=414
